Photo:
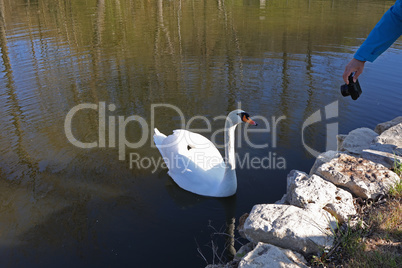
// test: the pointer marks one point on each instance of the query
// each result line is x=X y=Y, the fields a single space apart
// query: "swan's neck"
x=228 y=185
x=230 y=158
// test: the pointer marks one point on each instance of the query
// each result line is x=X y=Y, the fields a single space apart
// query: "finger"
x=355 y=77
x=346 y=76
x=357 y=74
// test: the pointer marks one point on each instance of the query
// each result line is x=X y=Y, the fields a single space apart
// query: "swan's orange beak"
x=248 y=120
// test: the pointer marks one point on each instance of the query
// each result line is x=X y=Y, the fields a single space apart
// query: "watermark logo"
x=271 y=161
x=331 y=111
x=112 y=134
x=122 y=123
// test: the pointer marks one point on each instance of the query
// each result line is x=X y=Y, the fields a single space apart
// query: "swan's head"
x=238 y=116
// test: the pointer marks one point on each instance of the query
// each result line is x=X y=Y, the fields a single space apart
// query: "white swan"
x=194 y=162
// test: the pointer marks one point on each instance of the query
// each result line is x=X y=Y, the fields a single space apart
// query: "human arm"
x=384 y=34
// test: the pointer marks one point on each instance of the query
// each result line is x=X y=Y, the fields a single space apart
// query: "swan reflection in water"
x=219 y=233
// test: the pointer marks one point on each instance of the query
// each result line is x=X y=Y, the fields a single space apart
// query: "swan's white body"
x=194 y=162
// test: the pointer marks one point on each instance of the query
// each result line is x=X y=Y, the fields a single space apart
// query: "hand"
x=356 y=66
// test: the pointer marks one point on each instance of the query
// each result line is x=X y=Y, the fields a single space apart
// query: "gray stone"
x=361 y=177
x=270 y=256
x=384 y=154
x=243 y=250
x=380 y=128
x=324 y=158
x=392 y=136
x=387 y=147
x=301 y=230
x=312 y=191
x=357 y=140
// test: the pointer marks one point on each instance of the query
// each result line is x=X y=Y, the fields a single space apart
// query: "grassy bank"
x=375 y=241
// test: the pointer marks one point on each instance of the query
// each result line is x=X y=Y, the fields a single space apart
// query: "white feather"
x=194 y=162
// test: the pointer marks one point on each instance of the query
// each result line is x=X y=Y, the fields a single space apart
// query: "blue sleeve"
x=384 y=34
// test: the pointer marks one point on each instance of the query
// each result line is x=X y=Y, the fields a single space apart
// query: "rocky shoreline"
x=304 y=221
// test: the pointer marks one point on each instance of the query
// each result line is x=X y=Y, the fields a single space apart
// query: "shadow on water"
x=226 y=232
x=97 y=224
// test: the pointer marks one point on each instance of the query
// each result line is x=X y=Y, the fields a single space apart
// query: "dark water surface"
x=65 y=206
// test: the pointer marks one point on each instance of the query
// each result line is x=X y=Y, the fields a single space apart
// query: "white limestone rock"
x=286 y=226
x=361 y=177
x=384 y=154
x=380 y=128
x=392 y=136
x=387 y=147
x=312 y=191
x=357 y=140
x=323 y=158
x=243 y=250
x=270 y=256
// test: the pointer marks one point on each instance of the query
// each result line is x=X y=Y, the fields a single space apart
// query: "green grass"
x=396 y=191
x=375 y=241
x=397 y=167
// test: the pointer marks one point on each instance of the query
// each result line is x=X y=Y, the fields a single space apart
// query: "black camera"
x=352 y=89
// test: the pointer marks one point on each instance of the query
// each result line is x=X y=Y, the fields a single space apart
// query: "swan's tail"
x=158 y=137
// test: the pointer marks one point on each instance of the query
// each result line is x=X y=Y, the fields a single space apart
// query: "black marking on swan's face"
x=244 y=115
x=189 y=147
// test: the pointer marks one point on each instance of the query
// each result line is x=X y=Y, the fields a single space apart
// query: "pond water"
x=280 y=60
